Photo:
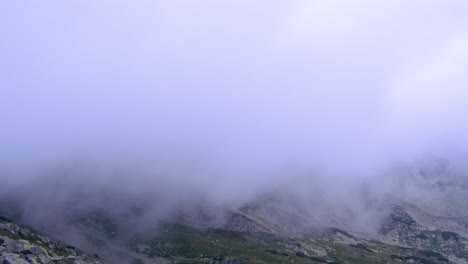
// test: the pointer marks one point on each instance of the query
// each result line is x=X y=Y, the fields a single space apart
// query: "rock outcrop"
x=22 y=245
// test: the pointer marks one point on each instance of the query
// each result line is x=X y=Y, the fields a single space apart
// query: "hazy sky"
x=233 y=85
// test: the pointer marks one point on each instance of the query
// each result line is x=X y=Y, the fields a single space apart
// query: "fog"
x=169 y=103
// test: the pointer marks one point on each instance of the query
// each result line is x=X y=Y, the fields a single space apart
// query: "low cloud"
x=165 y=103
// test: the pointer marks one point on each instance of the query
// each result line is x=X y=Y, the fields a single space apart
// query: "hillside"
x=428 y=228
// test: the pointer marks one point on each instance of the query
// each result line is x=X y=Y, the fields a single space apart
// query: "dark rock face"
x=401 y=228
x=398 y=219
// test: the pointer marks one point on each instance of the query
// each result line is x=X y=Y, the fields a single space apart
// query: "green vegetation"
x=182 y=244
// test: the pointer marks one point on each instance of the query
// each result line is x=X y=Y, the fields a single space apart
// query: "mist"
x=173 y=103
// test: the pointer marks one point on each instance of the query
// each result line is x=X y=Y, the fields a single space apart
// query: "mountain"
x=426 y=224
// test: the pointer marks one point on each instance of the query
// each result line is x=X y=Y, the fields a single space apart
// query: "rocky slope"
x=408 y=234
x=22 y=245
x=428 y=228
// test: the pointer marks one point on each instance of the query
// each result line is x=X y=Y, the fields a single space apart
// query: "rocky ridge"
x=22 y=245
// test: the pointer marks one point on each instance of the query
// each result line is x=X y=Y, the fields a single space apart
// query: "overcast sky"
x=349 y=86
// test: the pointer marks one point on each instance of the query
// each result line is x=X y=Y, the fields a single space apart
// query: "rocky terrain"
x=22 y=245
x=430 y=228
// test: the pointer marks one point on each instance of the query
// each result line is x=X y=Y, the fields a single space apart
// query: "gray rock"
x=36 y=251
x=20 y=245
x=12 y=246
x=43 y=259
x=11 y=258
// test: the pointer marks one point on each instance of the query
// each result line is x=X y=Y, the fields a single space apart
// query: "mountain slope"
x=22 y=245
